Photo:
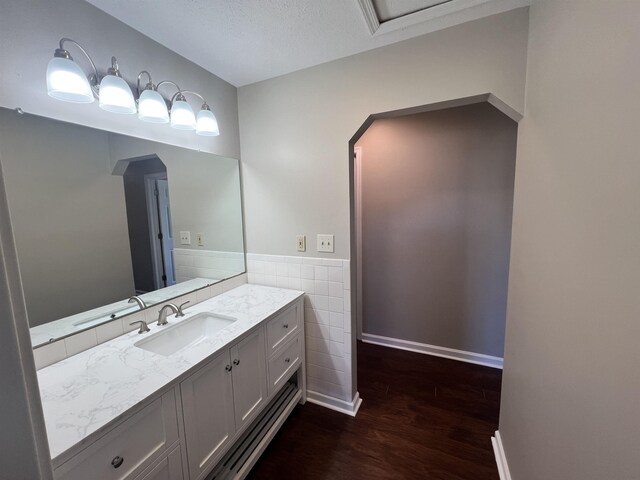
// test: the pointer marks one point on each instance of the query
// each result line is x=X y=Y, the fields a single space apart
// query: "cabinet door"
x=207 y=403
x=249 y=377
x=169 y=468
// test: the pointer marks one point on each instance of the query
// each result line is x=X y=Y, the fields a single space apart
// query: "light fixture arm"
x=149 y=85
x=63 y=53
x=182 y=92
x=170 y=83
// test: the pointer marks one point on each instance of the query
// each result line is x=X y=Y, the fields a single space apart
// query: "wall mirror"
x=100 y=217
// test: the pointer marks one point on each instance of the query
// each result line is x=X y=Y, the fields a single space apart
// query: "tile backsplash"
x=327 y=314
x=59 y=350
x=192 y=263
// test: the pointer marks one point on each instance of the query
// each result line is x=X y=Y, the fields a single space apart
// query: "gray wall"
x=31 y=30
x=571 y=385
x=296 y=128
x=57 y=175
x=205 y=197
x=437 y=198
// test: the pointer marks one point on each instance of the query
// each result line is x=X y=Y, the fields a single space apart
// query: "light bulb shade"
x=182 y=116
x=66 y=81
x=115 y=95
x=206 y=124
x=152 y=107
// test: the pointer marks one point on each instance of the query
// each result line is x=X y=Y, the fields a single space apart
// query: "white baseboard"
x=501 y=459
x=342 y=406
x=469 y=357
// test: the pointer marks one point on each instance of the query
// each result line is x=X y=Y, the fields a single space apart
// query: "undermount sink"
x=193 y=330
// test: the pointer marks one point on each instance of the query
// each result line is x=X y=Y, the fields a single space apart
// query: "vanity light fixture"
x=67 y=82
x=152 y=107
x=65 y=79
x=206 y=123
x=182 y=116
x=115 y=94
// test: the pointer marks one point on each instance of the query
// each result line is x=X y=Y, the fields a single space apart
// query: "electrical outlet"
x=301 y=242
x=325 y=243
x=185 y=238
x=200 y=239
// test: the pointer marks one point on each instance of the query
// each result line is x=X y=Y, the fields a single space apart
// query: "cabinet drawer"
x=285 y=362
x=129 y=448
x=282 y=328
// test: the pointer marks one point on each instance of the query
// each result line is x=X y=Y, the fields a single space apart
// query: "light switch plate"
x=301 y=243
x=185 y=238
x=325 y=243
x=200 y=239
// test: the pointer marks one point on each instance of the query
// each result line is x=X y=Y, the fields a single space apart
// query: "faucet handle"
x=180 y=311
x=143 y=326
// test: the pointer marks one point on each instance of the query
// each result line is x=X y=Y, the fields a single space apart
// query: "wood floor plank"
x=422 y=417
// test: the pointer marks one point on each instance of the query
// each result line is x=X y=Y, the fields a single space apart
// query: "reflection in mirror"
x=100 y=217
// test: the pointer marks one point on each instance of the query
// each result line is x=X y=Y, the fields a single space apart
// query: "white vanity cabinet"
x=221 y=398
x=128 y=449
x=186 y=429
x=168 y=468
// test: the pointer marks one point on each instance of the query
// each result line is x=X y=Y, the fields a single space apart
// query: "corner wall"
x=295 y=129
x=571 y=385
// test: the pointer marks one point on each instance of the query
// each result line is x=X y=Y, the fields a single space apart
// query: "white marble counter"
x=83 y=393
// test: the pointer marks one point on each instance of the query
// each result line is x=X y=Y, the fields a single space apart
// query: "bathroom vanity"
x=208 y=390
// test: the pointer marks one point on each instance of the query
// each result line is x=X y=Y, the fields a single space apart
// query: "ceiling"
x=245 y=41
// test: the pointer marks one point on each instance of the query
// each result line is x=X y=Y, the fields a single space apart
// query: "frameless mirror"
x=100 y=217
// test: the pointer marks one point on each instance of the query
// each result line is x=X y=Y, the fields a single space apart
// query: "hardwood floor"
x=422 y=417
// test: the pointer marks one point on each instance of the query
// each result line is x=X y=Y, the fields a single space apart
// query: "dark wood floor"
x=422 y=417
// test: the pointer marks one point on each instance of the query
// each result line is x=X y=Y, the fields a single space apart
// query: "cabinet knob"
x=117 y=461
x=228 y=368
x=236 y=362
x=286 y=325
x=287 y=360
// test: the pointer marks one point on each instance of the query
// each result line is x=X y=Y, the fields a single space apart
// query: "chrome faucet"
x=180 y=310
x=143 y=326
x=162 y=314
x=139 y=301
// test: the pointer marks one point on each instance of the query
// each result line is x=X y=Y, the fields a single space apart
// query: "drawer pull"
x=286 y=325
x=236 y=362
x=117 y=462
x=287 y=360
x=228 y=368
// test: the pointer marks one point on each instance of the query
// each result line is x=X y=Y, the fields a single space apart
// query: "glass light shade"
x=152 y=107
x=182 y=116
x=115 y=95
x=206 y=124
x=66 y=81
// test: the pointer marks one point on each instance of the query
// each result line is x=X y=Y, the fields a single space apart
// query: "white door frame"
x=357 y=172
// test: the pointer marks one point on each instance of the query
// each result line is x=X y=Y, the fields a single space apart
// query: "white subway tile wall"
x=67 y=347
x=191 y=264
x=327 y=316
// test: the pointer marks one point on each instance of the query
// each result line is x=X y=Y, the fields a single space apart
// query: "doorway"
x=147 y=202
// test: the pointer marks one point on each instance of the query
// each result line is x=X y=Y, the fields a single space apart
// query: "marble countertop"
x=82 y=394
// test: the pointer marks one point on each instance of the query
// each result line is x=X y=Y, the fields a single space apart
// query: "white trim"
x=370 y=15
x=451 y=353
x=357 y=172
x=349 y=408
x=501 y=459
x=438 y=16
